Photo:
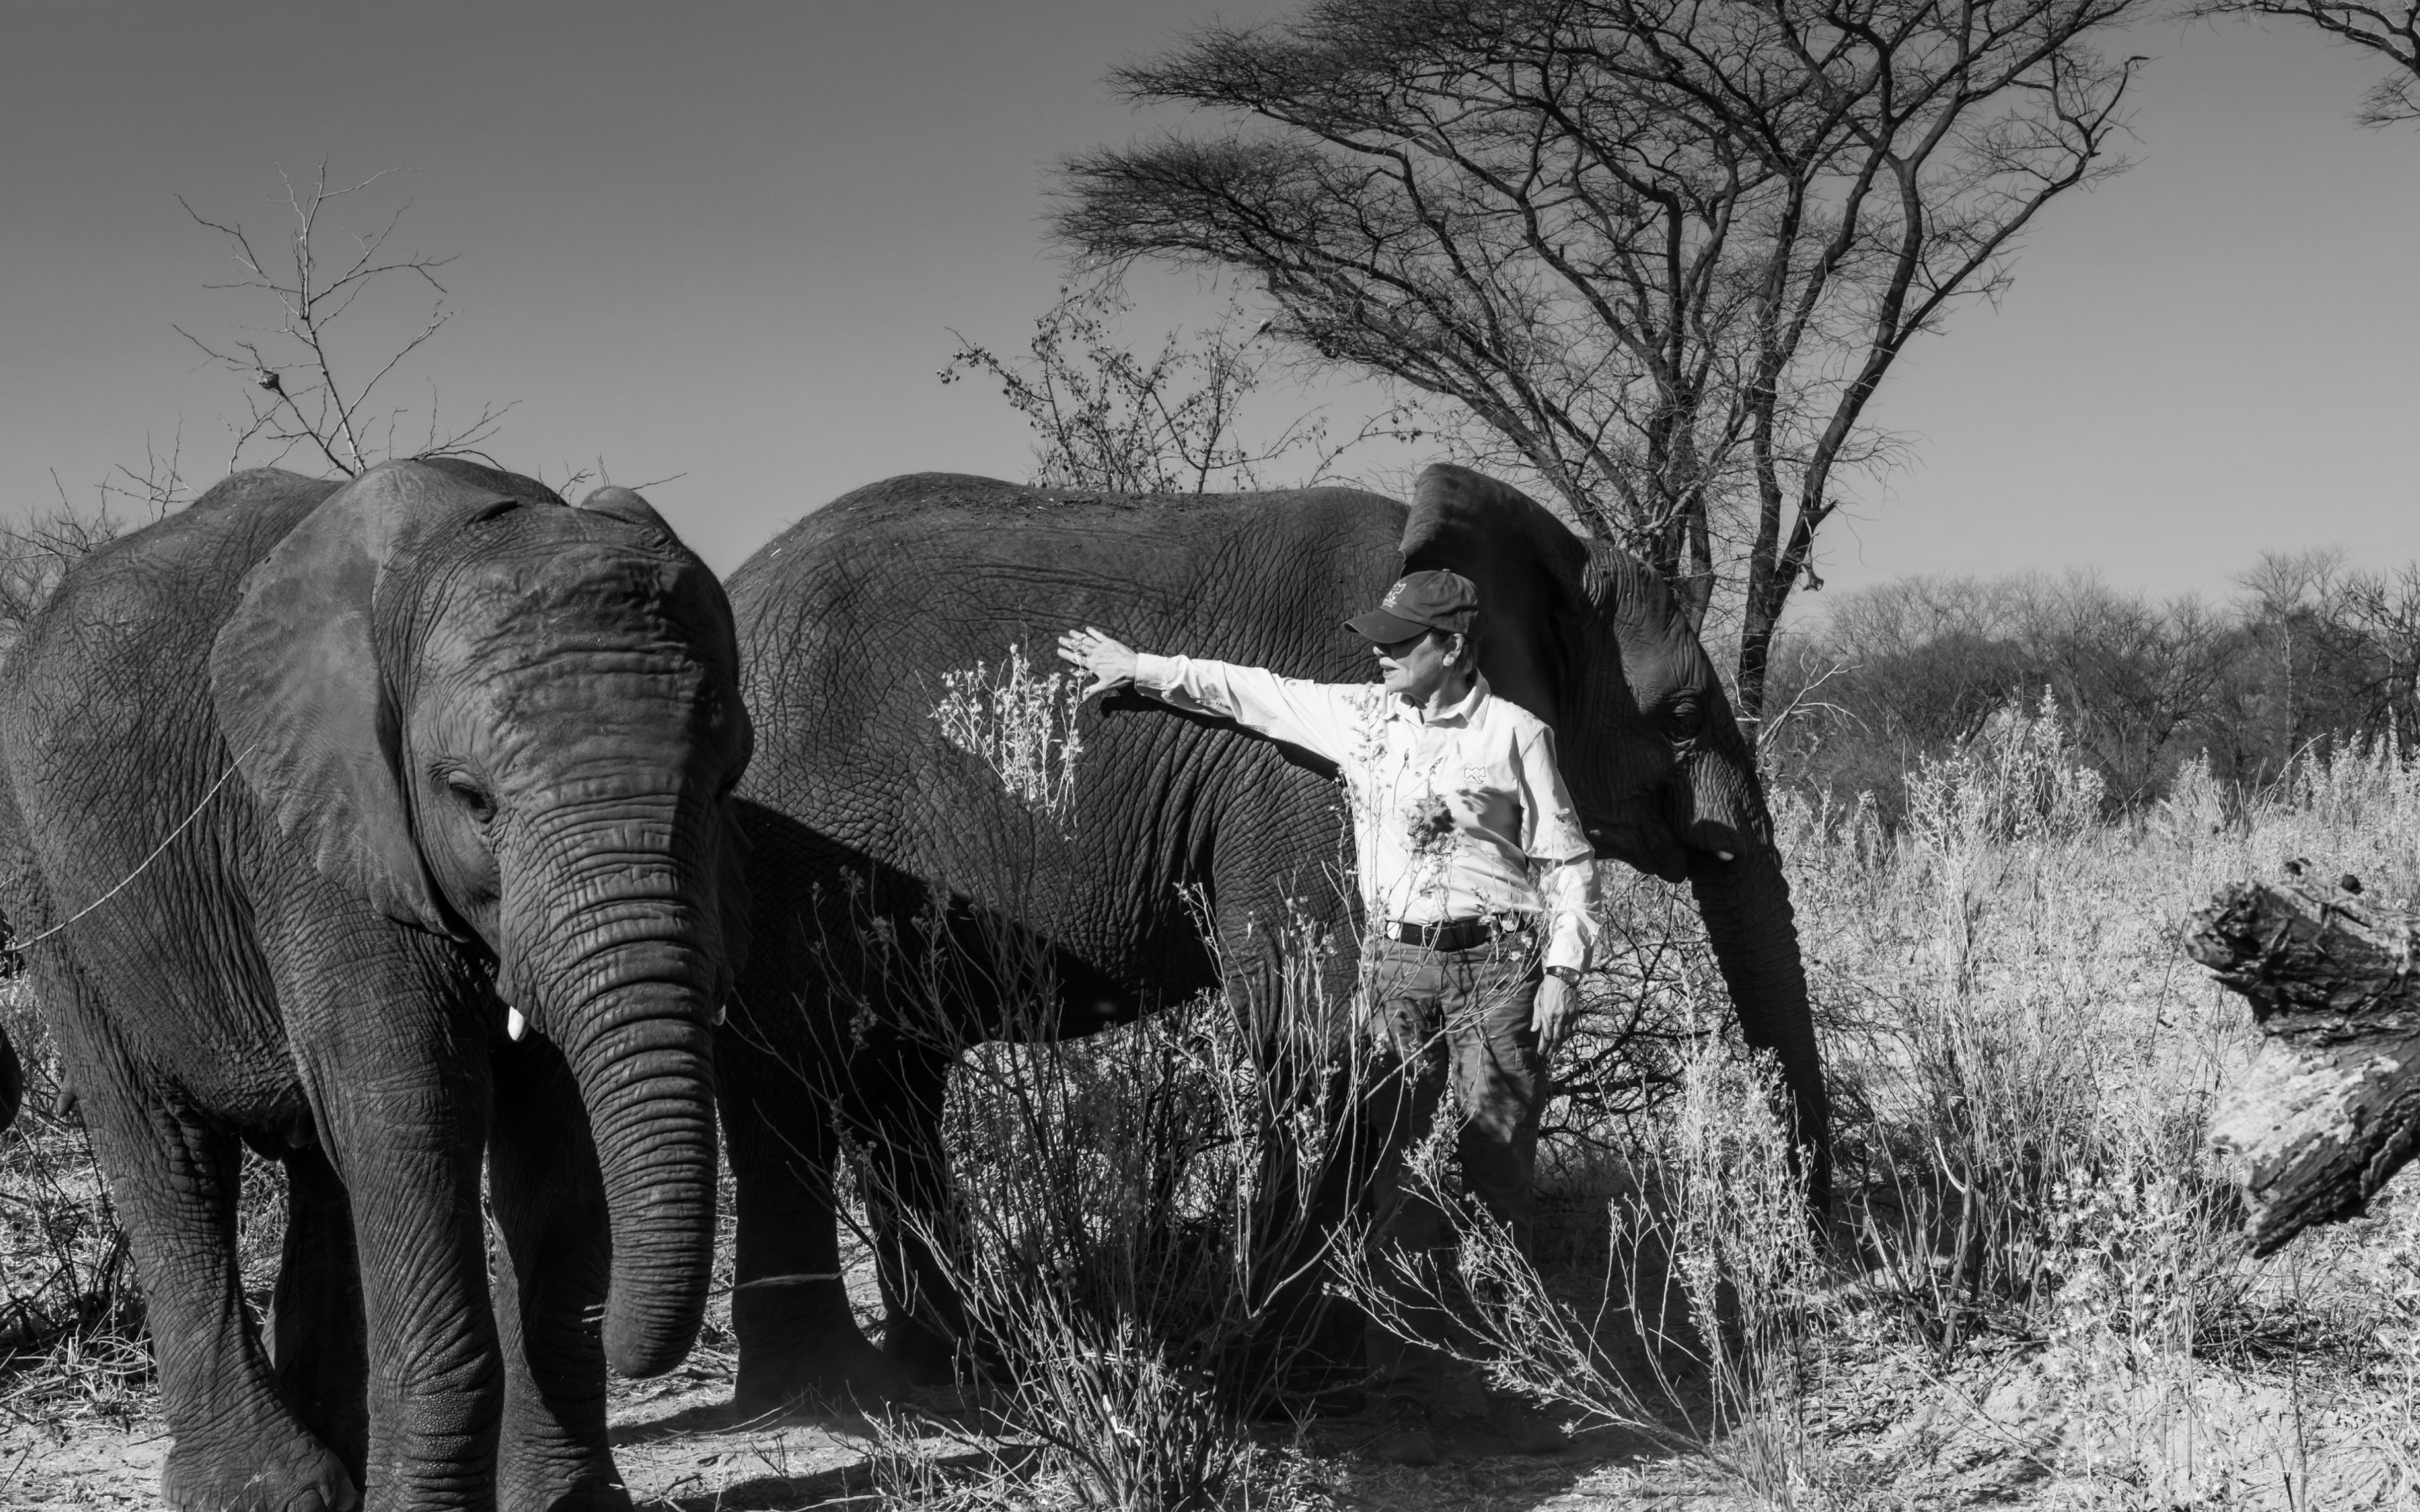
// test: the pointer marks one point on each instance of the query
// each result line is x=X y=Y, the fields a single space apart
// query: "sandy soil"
x=680 y=1446
x=2017 y=1427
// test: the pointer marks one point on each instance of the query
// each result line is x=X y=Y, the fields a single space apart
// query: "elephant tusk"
x=515 y=1024
x=721 y=1012
x=1723 y=856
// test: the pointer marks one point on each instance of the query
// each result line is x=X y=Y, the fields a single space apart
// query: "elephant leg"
x=238 y=1443
x=174 y=1176
x=552 y=1259
x=893 y=1106
x=1295 y=998
x=317 y=1335
x=796 y=1333
x=394 y=1061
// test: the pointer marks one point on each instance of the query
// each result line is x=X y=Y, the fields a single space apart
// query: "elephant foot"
x=583 y=1497
x=1311 y=1362
x=203 y=1476
x=576 y=1482
x=927 y=1355
x=840 y=1375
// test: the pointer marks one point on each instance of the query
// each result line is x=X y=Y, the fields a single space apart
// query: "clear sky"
x=727 y=241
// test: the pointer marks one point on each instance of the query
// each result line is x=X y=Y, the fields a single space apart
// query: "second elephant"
x=861 y=828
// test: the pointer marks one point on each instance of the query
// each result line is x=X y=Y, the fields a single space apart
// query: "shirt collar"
x=1462 y=710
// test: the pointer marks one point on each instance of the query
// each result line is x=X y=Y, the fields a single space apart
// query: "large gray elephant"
x=377 y=826
x=860 y=821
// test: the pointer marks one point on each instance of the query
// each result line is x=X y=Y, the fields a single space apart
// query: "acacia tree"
x=1660 y=253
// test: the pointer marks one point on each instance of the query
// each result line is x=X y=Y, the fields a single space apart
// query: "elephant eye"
x=467 y=790
x=1683 y=713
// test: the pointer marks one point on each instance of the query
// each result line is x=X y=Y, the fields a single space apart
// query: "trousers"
x=1455 y=1020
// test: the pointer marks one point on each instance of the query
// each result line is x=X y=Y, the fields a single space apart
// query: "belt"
x=1456 y=933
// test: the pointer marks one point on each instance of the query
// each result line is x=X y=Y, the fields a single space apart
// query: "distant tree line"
x=2312 y=653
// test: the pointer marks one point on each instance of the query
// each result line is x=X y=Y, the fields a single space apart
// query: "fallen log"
x=2332 y=1107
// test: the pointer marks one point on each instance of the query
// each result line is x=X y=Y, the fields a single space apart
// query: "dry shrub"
x=1132 y=1228
x=74 y=1336
x=1131 y=1209
x=74 y=1331
x=1696 y=1333
x=1020 y=723
x=1132 y=1243
x=2028 y=1068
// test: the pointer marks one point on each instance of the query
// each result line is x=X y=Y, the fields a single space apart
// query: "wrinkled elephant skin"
x=856 y=808
x=449 y=756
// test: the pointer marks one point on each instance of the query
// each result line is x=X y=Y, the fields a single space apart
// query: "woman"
x=1479 y=888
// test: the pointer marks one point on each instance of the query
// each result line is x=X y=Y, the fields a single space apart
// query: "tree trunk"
x=2331 y=1108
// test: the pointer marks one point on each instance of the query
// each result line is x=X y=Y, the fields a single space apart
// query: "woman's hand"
x=1109 y=663
x=1554 y=1013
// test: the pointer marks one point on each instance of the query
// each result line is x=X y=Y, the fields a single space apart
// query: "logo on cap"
x=1432 y=599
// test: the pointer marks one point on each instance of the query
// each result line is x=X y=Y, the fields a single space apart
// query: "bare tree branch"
x=2392 y=31
x=297 y=398
x=1104 y=419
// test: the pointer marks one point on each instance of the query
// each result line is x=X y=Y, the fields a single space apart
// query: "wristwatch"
x=1567 y=975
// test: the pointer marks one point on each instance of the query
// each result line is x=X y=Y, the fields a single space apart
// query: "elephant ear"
x=303 y=699
x=1528 y=567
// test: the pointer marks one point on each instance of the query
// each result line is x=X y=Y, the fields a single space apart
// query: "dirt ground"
x=682 y=1449
x=2035 y=1429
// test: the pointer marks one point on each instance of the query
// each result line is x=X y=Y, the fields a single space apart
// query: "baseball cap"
x=1434 y=600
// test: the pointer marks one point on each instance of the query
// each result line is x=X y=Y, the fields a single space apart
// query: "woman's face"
x=1417 y=668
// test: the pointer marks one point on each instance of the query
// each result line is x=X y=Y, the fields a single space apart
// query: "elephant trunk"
x=630 y=1004
x=1745 y=903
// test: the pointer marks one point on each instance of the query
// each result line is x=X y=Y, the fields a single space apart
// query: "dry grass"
x=74 y=1340
x=72 y=1343
x=2043 y=1251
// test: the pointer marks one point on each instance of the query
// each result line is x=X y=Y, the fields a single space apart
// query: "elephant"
x=383 y=826
x=849 y=622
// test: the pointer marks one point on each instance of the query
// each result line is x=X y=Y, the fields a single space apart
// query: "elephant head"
x=515 y=724
x=1589 y=640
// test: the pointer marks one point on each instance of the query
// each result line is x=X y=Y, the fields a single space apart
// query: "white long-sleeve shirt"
x=1455 y=815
